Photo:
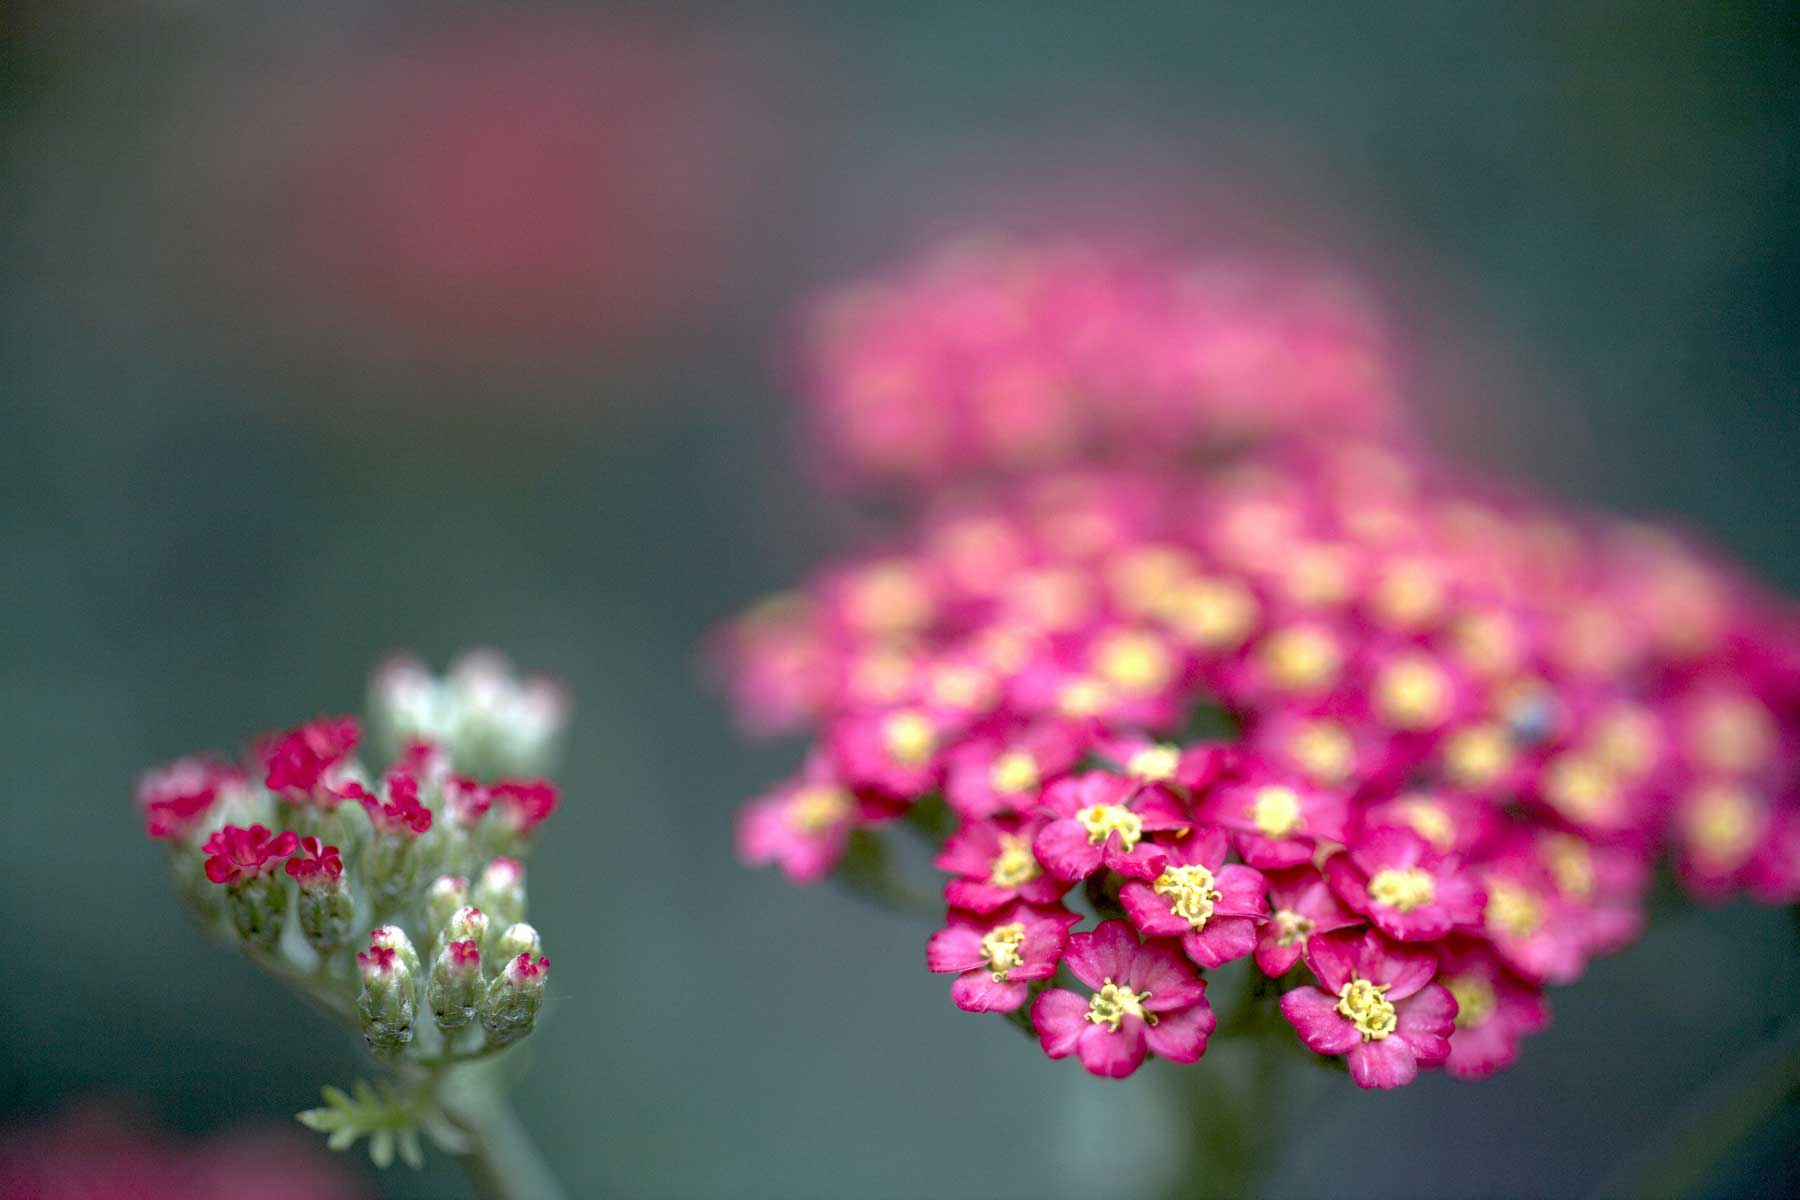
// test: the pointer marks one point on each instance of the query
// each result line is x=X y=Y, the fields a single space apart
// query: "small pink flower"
x=1530 y=926
x=896 y=752
x=1100 y=820
x=1213 y=908
x=1404 y=887
x=238 y=854
x=524 y=971
x=1145 y=998
x=801 y=827
x=526 y=803
x=465 y=955
x=1377 y=1006
x=1279 y=820
x=994 y=865
x=177 y=799
x=317 y=865
x=302 y=764
x=995 y=775
x=998 y=955
x=1303 y=905
x=1494 y=1010
x=401 y=813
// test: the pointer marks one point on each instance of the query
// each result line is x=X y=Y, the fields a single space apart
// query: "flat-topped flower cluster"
x=996 y=354
x=386 y=895
x=1411 y=742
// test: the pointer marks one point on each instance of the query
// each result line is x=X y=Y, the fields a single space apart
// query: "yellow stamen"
x=1154 y=764
x=1000 y=946
x=1112 y=1004
x=1402 y=888
x=1013 y=773
x=909 y=738
x=1428 y=819
x=1720 y=820
x=1134 y=662
x=1477 y=756
x=1413 y=693
x=1367 y=1005
x=815 y=809
x=1580 y=788
x=1571 y=864
x=1015 y=865
x=1192 y=892
x=1475 y=1000
x=1275 y=811
x=1324 y=750
x=1292 y=927
x=1512 y=911
x=1301 y=658
x=1101 y=820
x=1216 y=614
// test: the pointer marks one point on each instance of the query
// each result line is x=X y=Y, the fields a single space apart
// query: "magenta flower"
x=1404 y=887
x=802 y=826
x=401 y=813
x=1303 y=905
x=177 y=799
x=302 y=764
x=896 y=752
x=995 y=775
x=1494 y=1010
x=998 y=955
x=1531 y=927
x=1377 y=1006
x=1279 y=821
x=1213 y=908
x=1100 y=820
x=316 y=865
x=1146 y=998
x=994 y=865
x=526 y=803
x=235 y=853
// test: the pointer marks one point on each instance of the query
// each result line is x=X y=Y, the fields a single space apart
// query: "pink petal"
x=1064 y=849
x=1181 y=1036
x=1059 y=1017
x=1405 y=970
x=1146 y=860
x=1106 y=953
x=1242 y=892
x=1387 y=1063
x=1109 y=1054
x=1224 y=940
x=1315 y=1017
x=1149 y=911
x=1160 y=969
x=976 y=896
x=1274 y=959
x=976 y=991
x=1333 y=958
x=1426 y=1020
x=957 y=948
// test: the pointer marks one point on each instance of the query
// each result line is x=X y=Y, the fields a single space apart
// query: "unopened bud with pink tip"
x=510 y=1007
x=455 y=986
x=326 y=906
x=386 y=1005
x=500 y=891
x=518 y=938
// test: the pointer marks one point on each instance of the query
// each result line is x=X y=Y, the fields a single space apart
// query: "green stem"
x=502 y=1162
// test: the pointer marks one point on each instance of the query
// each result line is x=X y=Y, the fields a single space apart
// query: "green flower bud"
x=446 y=894
x=257 y=906
x=500 y=891
x=518 y=938
x=386 y=1005
x=510 y=1005
x=455 y=987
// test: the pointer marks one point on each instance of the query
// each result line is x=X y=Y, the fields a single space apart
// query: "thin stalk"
x=502 y=1162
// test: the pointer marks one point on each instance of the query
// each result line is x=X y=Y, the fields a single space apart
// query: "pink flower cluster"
x=1411 y=742
x=996 y=355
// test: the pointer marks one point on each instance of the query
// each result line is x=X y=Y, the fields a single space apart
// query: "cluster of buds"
x=302 y=850
x=1412 y=743
x=994 y=355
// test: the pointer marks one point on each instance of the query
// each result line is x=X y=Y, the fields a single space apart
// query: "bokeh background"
x=336 y=327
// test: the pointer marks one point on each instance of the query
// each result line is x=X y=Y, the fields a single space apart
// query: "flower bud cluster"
x=293 y=852
x=1412 y=742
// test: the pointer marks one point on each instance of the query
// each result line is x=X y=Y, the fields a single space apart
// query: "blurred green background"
x=334 y=328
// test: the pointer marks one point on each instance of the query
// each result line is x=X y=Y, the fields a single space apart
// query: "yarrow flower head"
x=395 y=863
x=1204 y=645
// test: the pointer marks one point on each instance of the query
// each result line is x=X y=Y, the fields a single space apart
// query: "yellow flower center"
x=890 y=599
x=1367 y=1006
x=1512 y=911
x=1275 y=811
x=1475 y=1000
x=1720 y=823
x=1324 y=750
x=1301 y=659
x=1429 y=820
x=1571 y=865
x=1192 y=892
x=1213 y=613
x=1734 y=734
x=1000 y=947
x=1580 y=788
x=959 y=686
x=1409 y=596
x=1134 y=662
x=909 y=738
x=1154 y=764
x=1292 y=927
x=1015 y=865
x=1477 y=755
x=1102 y=819
x=1013 y=773
x=1625 y=741
x=1413 y=693
x=817 y=808
x=1402 y=888
x=1083 y=697
x=1112 y=1004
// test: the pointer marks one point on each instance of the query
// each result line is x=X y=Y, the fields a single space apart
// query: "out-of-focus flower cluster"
x=394 y=897
x=1410 y=741
x=96 y=1153
x=998 y=355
